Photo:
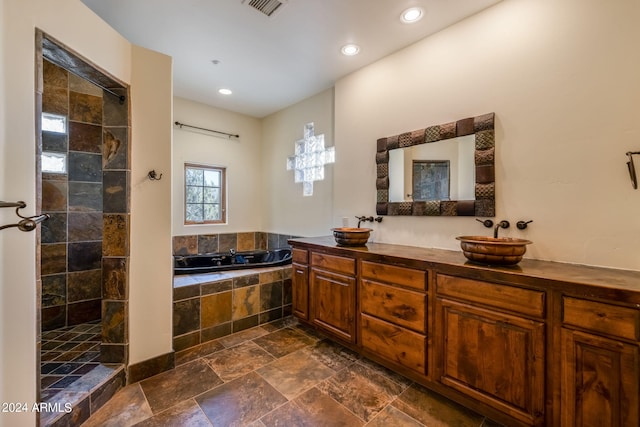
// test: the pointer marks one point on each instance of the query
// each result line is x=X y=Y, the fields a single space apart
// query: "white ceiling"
x=271 y=62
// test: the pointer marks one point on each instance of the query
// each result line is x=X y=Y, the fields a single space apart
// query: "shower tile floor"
x=279 y=374
x=70 y=372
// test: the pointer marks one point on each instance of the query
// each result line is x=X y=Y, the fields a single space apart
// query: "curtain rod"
x=229 y=135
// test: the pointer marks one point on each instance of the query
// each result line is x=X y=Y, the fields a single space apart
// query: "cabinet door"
x=333 y=303
x=599 y=381
x=493 y=357
x=300 y=284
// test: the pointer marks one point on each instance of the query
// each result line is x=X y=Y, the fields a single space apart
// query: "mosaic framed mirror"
x=466 y=146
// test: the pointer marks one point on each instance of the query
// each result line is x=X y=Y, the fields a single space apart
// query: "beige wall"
x=241 y=156
x=150 y=275
x=285 y=209
x=70 y=22
x=562 y=78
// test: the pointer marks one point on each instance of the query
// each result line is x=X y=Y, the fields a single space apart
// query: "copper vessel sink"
x=348 y=236
x=493 y=250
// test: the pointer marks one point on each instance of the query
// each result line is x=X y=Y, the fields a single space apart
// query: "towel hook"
x=153 y=176
x=27 y=223
x=632 y=169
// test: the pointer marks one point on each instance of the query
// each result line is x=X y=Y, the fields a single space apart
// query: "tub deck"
x=219 y=276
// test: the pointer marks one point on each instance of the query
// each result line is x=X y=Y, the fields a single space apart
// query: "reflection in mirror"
x=442 y=170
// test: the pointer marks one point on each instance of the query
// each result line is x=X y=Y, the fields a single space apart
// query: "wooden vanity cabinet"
x=332 y=287
x=300 y=284
x=546 y=344
x=393 y=314
x=600 y=364
x=490 y=341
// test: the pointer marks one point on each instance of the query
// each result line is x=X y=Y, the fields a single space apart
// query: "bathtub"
x=208 y=263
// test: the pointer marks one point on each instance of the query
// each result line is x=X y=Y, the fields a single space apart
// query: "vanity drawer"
x=334 y=263
x=400 y=306
x=301 y=256
x=609 y=319
x=510 y=298
x=403 y=276
x=394 y=343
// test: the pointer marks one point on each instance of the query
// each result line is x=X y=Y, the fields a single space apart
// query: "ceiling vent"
x=268 y=7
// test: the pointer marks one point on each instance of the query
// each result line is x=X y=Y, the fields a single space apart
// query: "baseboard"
x=151 y=367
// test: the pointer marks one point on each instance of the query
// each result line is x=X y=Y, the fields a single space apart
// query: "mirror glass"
x=441 y=170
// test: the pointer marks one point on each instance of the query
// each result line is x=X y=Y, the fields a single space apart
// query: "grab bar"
x=27 y=223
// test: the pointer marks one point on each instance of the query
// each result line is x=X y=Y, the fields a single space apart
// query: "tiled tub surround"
x=213 y=305
x=195 y=244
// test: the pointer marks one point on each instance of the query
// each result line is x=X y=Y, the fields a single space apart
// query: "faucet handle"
x=487 y=222
x=523 y=224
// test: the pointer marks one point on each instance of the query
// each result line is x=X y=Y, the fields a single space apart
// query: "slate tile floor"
x=278 y=374
x=66 y=354
x=70 y=372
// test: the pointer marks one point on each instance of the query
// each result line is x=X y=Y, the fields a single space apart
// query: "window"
x=54 y=162
x=54 y=123
x=204 y=190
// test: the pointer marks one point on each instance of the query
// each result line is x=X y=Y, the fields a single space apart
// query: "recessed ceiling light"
x=225 y=91
x=350 y=49
x=412 y=14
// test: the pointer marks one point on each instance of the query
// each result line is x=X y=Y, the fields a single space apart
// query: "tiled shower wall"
x=88 y=201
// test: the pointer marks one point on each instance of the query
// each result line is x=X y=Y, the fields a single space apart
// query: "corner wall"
x=150 y=274
x=241 y=156
x=284 y=208
x=562 y=78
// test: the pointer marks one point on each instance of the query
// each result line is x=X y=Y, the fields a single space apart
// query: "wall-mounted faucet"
x=501 y=224
x=363 y=218
x=368 y=218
